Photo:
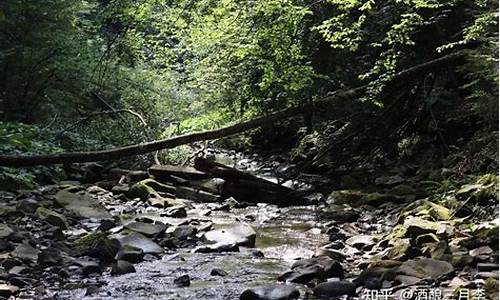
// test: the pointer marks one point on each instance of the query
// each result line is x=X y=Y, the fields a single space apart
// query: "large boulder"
x=271 y=292
x=81 y=203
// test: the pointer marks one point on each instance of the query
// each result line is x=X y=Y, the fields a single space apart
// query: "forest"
x=249 y=149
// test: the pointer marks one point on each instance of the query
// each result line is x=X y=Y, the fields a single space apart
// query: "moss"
x=52 y=217
x=96 y=244
x=148 y=187
x=403 y=190
x=377 y=199
x=345 y=196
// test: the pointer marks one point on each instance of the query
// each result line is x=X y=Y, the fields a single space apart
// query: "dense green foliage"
x=189 y=65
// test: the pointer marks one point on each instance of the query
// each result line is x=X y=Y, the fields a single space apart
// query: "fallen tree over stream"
x=143 y=148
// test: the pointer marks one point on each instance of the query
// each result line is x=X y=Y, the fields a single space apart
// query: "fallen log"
x=143 y=148
x=249 y=188
x=163 y=172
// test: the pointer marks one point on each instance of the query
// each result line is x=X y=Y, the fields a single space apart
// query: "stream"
x=126 y=240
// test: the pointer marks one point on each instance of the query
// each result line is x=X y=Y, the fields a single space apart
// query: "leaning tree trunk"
x=143 y=148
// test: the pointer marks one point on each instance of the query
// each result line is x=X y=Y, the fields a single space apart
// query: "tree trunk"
x=143 y=148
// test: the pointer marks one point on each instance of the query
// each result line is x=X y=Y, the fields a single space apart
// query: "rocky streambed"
x=136 y=237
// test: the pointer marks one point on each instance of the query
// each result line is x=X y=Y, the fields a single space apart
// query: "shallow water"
x=283 y=235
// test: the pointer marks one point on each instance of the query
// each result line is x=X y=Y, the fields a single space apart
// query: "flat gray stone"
x=25 y=251
x=147 y=229
x=83 y=204
x=5 y=231
x=140 y=241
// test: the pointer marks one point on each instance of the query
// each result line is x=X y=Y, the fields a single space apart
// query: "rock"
x=424 y=268
x=332 y=253
x=218 y=272
x=5 y=245
x=147 y=229
x=120 y=189
x=175 y=212
x=389 y=180
x=28 y=205
x=5 y=231
x=378 y=199
x=130 y=254
x=486 y=267
x=481 y=251
x=10 y=262
x=332 y=268
x=361 y=242
x=339 y=214
x=20 y=270
x=52 y=217
x=484 y=189
x=416 y=226
x=334 y=289
x=403 y=190
x=183 y=232
x=345 y=197
x=271 y=292
x=84 y=205
x=138 y=240
x=239 y=234
x=7 y=290
x=25 y=252
x=183 y=280
x=96 y=190
x=96 y=245
x=461 y=259
x=305 y=270
x=121 y=267
x=106 y=224
x=149 y=188
x=159 y=202
x=56 y=233
x=89 y=267
x=401 y=249
x=49 y=257
x=216 y=248
x=304 y=274
x=426 y=239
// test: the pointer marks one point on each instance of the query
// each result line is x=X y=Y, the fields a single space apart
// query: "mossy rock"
x=416 y=226
x=425 y=208
x=96 y=245
x=483 y=189
x=378 y=199
x=147 y=188
x=426 y=188
x=52 y=217
x=400 y=250
x=345 y=196
x=403 y=190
